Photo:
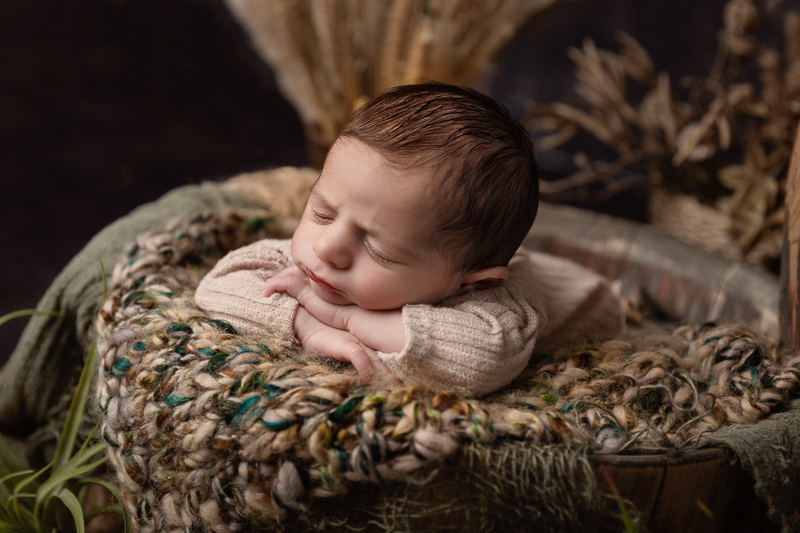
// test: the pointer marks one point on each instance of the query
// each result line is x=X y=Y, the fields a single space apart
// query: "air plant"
x=51 y=499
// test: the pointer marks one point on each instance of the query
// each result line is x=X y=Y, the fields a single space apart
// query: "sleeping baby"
x=407 y=260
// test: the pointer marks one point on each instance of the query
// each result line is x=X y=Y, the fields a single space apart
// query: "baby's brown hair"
x=479 y=155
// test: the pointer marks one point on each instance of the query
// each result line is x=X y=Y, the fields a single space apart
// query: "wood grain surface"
x=704 y=490
x=789 y=316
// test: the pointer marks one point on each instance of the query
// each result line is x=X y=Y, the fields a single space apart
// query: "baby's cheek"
x=295 y=253
x=388 y=297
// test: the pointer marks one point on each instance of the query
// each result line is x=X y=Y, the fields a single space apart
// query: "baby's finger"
x=360 y=360
x=349 y=352
x=290 y=280
x=380 y=367
x=273 y=285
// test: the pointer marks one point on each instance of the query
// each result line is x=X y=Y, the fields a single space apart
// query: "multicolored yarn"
x=212 y=431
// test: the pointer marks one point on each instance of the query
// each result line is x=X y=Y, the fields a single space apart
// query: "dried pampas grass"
x=330 y=56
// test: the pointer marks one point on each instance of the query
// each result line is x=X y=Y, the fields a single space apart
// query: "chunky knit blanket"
x=209 y=430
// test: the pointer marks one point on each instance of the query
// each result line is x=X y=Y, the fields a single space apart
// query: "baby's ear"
x=486 y=278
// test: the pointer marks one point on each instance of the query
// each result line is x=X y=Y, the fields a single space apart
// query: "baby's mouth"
x=322 y=283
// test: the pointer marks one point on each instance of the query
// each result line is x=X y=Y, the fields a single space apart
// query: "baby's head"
x=427 y=191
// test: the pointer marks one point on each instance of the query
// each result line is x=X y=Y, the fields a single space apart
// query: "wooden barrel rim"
x=690 y=285
x=648 y=460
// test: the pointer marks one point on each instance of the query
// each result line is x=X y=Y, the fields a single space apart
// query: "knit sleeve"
x=233 y=291
x=480 y=341
x=473 y=343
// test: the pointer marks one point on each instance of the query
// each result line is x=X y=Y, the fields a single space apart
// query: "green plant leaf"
x=108 y=509
x=4 y=514
x=6 y=519
x=65 y=474
x=86 y=454
x=6 y=487
x=110 y=487
x=28 y=512
x=85 y=442
x=83 y=454
x=9 y=521
x=630 y=527
x=81 y=494
x=10 y=461
x=18 y=509
x=21 y=512
x=9 y=477
x=21 y=495
x=7 y=516
x=79 y=459
x=76 y=408
x=28 y=312
x=74 y=506
x=105 y=509
x=46 y=521
x=53 y=506
x=30 y=479
x=103 y=275
x=18 y=514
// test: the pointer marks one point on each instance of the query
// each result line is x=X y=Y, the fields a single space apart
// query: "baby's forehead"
x=410 y=170
x=428 y=174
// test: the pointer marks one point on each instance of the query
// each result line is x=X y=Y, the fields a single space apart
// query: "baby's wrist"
x=354 y=319
x=380 y=330
x=300 y=323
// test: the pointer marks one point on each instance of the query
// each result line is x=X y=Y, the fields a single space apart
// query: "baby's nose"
x=332 y=249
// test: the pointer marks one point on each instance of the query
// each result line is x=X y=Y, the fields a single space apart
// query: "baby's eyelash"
x=378 y=258
x=320 y=218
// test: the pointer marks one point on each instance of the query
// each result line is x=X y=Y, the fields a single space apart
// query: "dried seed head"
x=739 y=17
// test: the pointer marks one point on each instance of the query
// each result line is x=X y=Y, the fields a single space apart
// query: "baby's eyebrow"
x=318 y=196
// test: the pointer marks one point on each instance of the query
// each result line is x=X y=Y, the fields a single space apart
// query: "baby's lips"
x=321 y=282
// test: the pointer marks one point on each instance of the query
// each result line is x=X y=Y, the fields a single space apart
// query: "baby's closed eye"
x=375 y=255
x=321 y=218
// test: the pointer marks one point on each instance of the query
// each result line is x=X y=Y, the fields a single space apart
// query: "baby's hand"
x=294 y=282
x=379 y=330
x=340 y=345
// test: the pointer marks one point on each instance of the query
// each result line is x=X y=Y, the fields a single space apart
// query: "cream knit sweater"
x=474 y=343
